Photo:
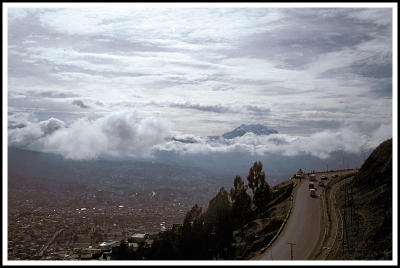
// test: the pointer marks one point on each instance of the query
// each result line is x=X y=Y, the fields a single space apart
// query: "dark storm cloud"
x=221 y=108
x=12 y=125
x=381 y=89
x=51 y=94
x=256 y=109
x=303 y=35
x=377 y=65
x=373 y=70
x=80 y=104
x=203 y=108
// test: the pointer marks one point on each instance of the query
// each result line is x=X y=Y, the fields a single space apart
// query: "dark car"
x=321 y=183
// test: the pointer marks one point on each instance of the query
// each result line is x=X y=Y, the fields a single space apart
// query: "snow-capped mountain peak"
x=257 y=129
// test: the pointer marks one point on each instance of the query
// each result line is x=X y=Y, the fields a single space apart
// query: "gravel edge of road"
x=283 y=225
x=318 y=250
x=324 y=230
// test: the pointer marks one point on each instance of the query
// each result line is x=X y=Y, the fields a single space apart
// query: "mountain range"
x=241 y=130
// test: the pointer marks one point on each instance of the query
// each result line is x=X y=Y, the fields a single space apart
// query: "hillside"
x=373 y=188
x=103 y=173
x=371 y=234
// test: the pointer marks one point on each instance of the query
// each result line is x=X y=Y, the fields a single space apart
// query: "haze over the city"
x=88 y=82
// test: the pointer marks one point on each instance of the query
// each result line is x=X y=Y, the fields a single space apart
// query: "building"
x=138 y=238
x=109 y=245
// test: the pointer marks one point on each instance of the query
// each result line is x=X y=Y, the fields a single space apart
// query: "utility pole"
x=353 y=211
x=291 y=250
x=351 y=206
x=343 y=225
x=345 y=234
x=343 y=162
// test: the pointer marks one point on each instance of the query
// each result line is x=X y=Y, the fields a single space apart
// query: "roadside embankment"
x=331 y=220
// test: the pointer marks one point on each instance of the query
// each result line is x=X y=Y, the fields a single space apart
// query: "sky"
x=90 y=81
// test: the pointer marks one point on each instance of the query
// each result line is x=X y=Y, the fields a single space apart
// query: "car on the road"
x=312 y=177
x=298 y=176
x=335 y=175
x=321 y=183
x=311 y=185
x=312 y=192
x=324 y=177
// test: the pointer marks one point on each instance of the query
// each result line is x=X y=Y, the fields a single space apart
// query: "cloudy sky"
x=196 y=71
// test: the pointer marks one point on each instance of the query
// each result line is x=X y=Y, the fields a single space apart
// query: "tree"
x=193 y=215
x=259 y=186
x=241 y=202
x=219 y=220
x=219 y=208
x=193 y=236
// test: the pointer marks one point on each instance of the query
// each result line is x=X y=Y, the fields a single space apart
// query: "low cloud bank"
x=320 y=144
x=117 y=134
x=28 y=133
x=123 y=134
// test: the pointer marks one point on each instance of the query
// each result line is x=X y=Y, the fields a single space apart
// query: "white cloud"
x=32 y=132
x=124 y=134
x=152 y=23
x=381 y=134
x=243 y=59
x=320 y=144
x=118 y=134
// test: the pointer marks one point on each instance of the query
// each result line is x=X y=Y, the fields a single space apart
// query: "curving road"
x=304 y=224
x=302 y=229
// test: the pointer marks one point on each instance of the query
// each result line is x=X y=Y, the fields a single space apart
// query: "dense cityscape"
x=45 y=229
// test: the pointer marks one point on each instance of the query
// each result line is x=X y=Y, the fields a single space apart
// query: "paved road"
x=303 y=227
x=43 y=250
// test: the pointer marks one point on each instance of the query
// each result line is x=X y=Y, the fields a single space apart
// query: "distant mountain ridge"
x=108 y=172
x=257 y=129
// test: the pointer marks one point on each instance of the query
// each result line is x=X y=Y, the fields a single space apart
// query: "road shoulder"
x=282 y=229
